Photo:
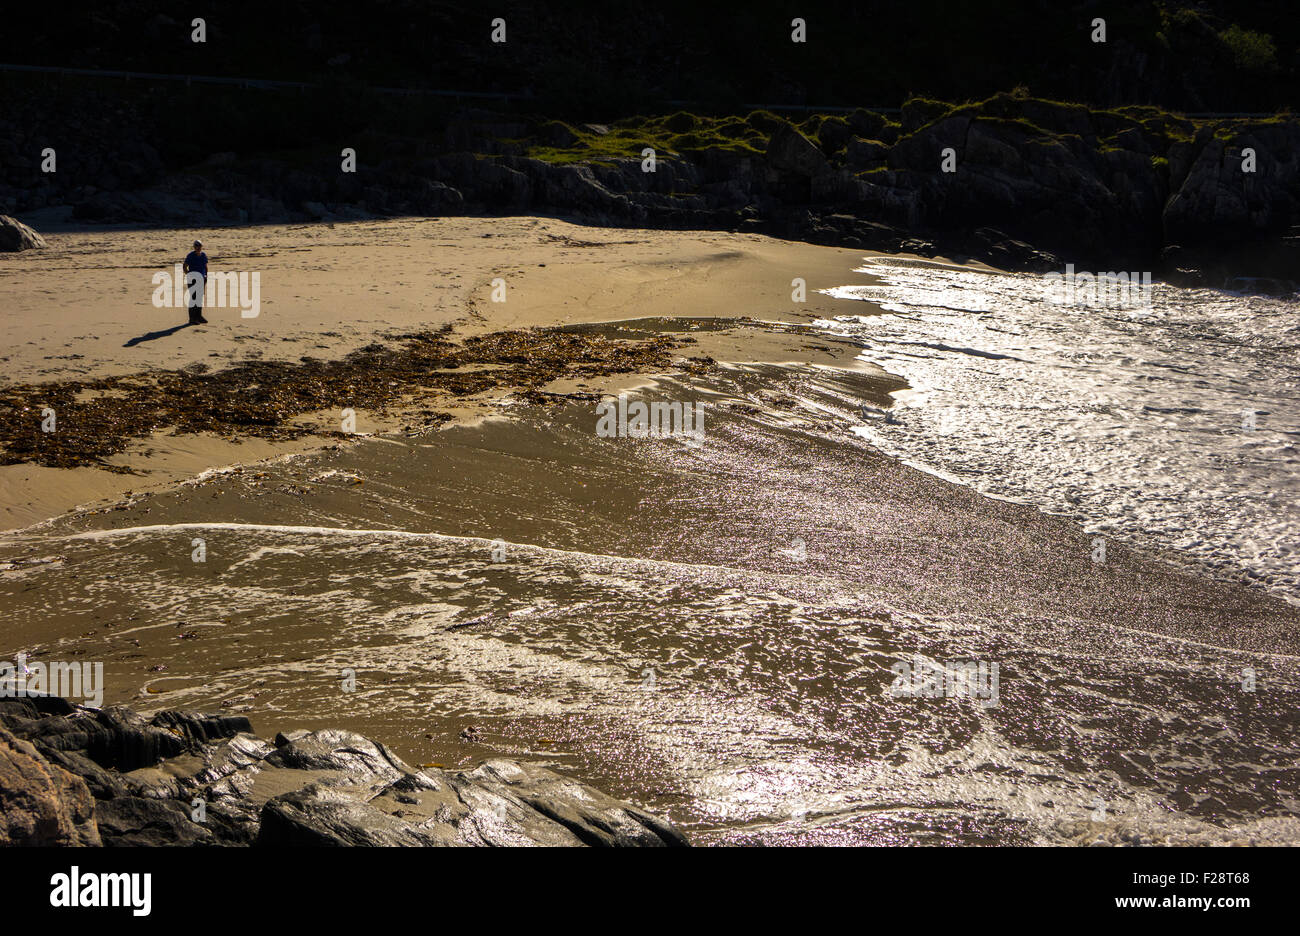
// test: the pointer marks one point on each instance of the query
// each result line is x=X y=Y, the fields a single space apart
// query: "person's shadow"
x=154 y=336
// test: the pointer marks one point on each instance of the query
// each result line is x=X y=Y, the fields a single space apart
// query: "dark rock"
x=330 y=788
x=498 y=184
x=922 y=151
x=1133 y=138
x=41 y=803
x=320 y=816
x=119 y=738
x=114 y=208
x=917 y=112
x=345 y=752
x=681 y=122
x=201 y=729
x=1266 y=265
x=834 y=187
x=789 y=150
x=863 y=154
x=34 y=706
x=102 y=783
x=997 y=249
x=575 y=189
x=149 y=821
x=833 y=134
x=557 y=134
x=501 y=803
x=867 y=124
x=1217 y=202
x=594 y=818
x=15 y=236
x=433 y=198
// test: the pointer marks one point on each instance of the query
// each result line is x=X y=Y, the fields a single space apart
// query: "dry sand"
x=327 y=289
x=83 y=309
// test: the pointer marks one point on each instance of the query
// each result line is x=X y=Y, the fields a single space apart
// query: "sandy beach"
x=82 y=310
x=509 y=570
x=331 y=288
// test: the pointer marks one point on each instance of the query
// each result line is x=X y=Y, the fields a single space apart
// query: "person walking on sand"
x=196 y=262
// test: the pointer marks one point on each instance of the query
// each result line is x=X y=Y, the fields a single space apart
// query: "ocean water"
x=713 y=627
x=1174 y=422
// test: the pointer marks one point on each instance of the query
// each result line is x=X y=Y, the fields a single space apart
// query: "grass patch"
x=672 y=135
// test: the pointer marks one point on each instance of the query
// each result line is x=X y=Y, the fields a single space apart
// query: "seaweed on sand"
x=96 y=419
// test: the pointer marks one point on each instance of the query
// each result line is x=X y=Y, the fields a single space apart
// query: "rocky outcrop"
x=1219 y=202
x=1033 y=183
x=1055 y=191
x=788 y=150
x=15 y=236
x=40 y=803
x=77 y=776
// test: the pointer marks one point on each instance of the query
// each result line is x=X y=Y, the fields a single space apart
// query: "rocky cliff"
x=1019 y=182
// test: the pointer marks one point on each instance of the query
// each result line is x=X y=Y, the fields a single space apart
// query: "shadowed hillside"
x=604 y=60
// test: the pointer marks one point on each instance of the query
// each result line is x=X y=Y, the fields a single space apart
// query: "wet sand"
x=708 y=630
x=708 y=627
